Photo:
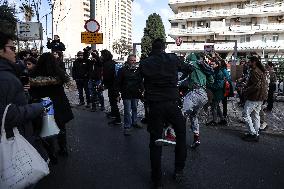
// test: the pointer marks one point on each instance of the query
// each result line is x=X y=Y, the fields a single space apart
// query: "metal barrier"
x=68 y=65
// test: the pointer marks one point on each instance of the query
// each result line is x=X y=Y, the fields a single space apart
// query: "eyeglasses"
x=12 y=48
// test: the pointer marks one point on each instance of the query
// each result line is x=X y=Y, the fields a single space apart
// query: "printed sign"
x=91 y=38
x=208 y=48
x=29 y=31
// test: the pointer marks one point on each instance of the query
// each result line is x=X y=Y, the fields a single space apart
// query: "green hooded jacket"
x=197 y=77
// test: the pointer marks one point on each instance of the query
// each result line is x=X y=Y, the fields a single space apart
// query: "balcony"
x=272 y=10
x=232 y=30
x=229 y=47
x=175 y=4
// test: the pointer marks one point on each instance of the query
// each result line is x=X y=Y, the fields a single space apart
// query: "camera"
x=25 y=80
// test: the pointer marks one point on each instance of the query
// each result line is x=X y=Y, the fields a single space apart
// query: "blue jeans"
x=130 y=112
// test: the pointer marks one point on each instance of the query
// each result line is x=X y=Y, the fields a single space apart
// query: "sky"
x=141 y=10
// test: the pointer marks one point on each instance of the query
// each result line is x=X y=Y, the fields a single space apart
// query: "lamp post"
x=92 y=16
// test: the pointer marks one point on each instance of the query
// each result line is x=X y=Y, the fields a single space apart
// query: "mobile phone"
x=25 y=80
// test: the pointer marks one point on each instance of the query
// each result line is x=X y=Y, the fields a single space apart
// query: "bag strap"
x=3 y=133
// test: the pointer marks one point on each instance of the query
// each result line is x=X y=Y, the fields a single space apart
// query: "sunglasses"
x=12 y=48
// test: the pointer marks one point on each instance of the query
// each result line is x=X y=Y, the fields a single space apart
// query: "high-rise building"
x=256 y=25
x=114 y=17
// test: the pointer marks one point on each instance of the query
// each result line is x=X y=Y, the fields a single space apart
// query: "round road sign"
x=92 y=25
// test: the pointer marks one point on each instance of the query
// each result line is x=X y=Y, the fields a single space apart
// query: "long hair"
x=47 y=66
x=257 y=63
x=107 y=56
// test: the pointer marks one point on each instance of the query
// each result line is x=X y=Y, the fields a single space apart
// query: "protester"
x=56 y=44
x=59 y=59
x=20 y=114
x=197 y=96
x=34 y=53
x=271 y=87
x=130 y=87
x=109 y=81
x=159 y=72
x=255 y=92
x=95 y=81
x=221 y=75
x=80 y=73
x=47 y=81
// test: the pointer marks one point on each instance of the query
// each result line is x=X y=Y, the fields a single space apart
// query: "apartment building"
x=114 y=17
x=256 y=25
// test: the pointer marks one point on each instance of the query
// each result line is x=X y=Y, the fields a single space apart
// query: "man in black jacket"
x=109 y=81
x=56 y=44
x=95 y=82
x=160 y=74
x=20 y=113
x=80 y=73
x=130 y=87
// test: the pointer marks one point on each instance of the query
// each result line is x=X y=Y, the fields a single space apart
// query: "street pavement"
x=101 y=157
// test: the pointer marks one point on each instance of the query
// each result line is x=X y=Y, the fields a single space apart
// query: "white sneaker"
x=263 y=126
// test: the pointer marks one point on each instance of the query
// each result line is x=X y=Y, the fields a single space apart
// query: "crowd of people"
x=25 y=80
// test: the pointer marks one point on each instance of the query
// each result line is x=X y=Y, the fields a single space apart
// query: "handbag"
x=20 y=163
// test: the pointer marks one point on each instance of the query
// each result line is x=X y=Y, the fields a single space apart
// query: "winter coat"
x=219 y=83
x=80 y=69
x=109 y=74
x=96 y=70
x=197 y=77
x=52 y=88
x=20 y=114
x=256 y=87
x=129 y=82
x=160 y=74
x=55 y=45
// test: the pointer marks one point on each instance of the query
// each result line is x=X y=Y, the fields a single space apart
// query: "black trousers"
x=270 y=97
x=82 y=85
x=225 y=106
x=159 y=113
x=112 y=95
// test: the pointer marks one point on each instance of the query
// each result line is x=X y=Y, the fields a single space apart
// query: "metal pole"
x=52 y=6
x=235 y=53
x=92 y=16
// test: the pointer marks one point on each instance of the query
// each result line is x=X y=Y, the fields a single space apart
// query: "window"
x=275 y=37
x=174 y=25
x=182 y=26
x=245 y=38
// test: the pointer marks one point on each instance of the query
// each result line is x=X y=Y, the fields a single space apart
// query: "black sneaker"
x=115 y=122
x=250 y=137
x=81 y=103
x=144 y=121
x=223 y=122
x=211 y=123
x=178 y=176
x=195 y=144
x=110 y=115
x=137 y=126
x=127 y=132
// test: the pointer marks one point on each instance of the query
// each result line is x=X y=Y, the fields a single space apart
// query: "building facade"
x=114 y=17
x=256 y=25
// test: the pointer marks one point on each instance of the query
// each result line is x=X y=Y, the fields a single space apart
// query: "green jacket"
x=197 y=77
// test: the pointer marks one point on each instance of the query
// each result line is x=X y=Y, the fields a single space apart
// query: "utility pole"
x=92 y=16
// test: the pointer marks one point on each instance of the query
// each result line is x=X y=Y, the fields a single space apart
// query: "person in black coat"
x=56 y=44
x=109 y=81
x=20 y=114
x=131 y=88
x=80 y=73
x=160 y=74
x=48 y=79
x=95 y=81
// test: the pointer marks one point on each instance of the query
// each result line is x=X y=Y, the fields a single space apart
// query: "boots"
x=196 y=141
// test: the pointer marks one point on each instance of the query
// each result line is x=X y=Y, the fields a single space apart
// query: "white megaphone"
x=49 y=126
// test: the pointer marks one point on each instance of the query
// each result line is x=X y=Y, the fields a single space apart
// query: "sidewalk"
x=275 y=119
